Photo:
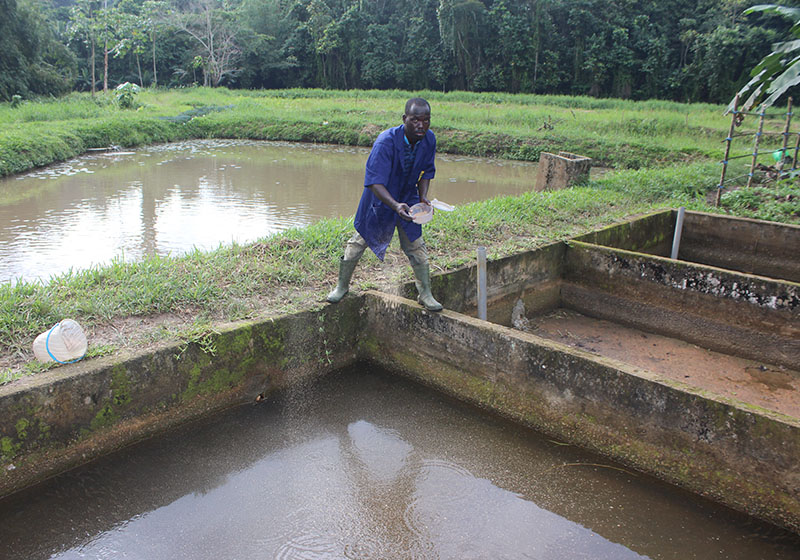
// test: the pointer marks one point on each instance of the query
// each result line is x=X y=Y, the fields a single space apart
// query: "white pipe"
x=676 y=240
x=482 y=283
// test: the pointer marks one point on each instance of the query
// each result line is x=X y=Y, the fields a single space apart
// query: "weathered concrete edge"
x=732 y=312
x=72 y=414
x=759 y=291
x=761 y=247
x=650 y=233
x=715 y=447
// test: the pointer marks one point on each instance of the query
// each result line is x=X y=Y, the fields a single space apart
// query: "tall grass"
x=615 y=132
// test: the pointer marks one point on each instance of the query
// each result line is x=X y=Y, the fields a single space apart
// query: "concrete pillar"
x=561 y=171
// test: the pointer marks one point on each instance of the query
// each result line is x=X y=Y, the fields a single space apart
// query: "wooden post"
x=727 y=149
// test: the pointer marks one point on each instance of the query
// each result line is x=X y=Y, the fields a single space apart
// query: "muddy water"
x=366 y=465
x=171 y=198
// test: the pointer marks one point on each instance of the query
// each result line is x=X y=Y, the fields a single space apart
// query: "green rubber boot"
x=346 y=269
x=423 y=274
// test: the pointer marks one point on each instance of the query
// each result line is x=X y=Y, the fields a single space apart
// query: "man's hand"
x=383 y=195
x=402 y=210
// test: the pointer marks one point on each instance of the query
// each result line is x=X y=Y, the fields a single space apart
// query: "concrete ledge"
x=72 y=414
x=534 y=275
x=650 y=234
x=722 y=448
x=716 y=447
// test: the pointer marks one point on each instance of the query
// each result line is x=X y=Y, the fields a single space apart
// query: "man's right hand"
x=383 y=195
x=403 y=210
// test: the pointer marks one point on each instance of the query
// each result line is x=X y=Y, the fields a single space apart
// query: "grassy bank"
x=126 y=304
x=616 y=133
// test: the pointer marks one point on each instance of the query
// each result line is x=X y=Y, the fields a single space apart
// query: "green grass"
x=778 y=203
x=616 y=133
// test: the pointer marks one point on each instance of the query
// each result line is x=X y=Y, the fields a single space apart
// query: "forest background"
x=681 y=50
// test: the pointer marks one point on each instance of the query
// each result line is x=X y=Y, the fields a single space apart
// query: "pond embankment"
x=615 y=133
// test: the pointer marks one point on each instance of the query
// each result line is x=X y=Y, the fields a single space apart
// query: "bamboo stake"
x=755 y=146
x=728 y=149
x=780 y=164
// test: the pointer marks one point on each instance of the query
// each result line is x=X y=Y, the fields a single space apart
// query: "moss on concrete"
x=9 y=449
x=104 y=418
x=645 y=422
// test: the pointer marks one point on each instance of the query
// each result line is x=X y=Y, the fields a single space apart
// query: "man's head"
x=416 y=119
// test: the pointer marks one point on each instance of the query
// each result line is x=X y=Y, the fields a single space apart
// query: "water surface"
x=171 y=198
x=367 y=465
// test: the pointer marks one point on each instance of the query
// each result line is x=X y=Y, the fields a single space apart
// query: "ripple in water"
x=309 y=546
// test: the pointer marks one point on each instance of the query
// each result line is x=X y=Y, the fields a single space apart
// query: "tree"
x=214 y=27
x=459 y=28
x=154 y=22
x=132 y=34
x=779 y=70
x=32 y=61
x=264 y=31
x=82 y=24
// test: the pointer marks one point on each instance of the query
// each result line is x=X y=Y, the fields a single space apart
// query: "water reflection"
x=172 y=198
x=364 y=465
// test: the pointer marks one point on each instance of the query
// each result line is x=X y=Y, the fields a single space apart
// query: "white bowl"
x=421 y=213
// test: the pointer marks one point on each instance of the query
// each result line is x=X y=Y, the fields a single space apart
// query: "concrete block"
x=562 y=170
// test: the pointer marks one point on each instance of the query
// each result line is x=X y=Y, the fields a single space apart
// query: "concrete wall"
x=651 y=234
x=561 y=171
x=69 y=415
x=750 y=246
x=722 y=449
x=534 y=275
x=718 y=449
x=735 y=313
x=740 y=244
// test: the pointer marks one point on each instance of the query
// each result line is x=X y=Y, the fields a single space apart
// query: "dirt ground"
x=771 y=387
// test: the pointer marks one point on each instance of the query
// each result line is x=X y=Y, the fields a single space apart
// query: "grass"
x=616 y=133
x=666 y=155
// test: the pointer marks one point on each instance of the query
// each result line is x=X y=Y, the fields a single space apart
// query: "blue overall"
x=374 y=220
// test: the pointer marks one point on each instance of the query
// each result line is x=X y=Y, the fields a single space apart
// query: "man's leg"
x=352 y=253
x=418 y=257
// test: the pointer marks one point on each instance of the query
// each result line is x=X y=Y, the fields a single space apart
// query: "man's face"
x=417 y=122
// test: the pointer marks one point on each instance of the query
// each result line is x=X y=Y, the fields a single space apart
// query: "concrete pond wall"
x=737 y=454
x=739 y=244
x=69 y=415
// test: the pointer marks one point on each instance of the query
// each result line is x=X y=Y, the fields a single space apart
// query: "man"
x=398 y=173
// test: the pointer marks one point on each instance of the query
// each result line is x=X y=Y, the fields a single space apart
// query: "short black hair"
x=419 y=102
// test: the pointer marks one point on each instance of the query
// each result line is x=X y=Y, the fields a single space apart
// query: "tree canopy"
x=685 y=50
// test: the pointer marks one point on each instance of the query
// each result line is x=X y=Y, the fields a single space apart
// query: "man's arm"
x=383 y=195
x=422 y=187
